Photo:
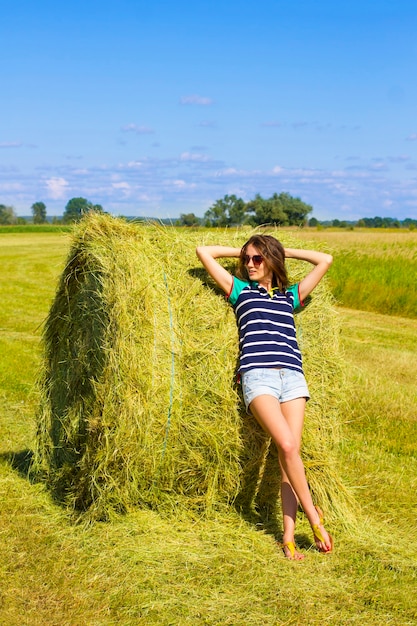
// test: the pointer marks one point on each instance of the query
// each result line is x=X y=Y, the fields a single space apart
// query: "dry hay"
x=139 y=401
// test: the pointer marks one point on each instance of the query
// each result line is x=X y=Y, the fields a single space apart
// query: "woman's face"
x=255 y=266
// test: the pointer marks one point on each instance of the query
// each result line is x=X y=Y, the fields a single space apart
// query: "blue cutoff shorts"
x=283 y=384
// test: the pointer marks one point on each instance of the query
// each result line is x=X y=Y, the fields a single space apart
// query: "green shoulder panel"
x=238 y=285
x=298 y=305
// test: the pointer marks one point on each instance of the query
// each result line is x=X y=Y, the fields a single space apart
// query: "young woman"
x=270 y=365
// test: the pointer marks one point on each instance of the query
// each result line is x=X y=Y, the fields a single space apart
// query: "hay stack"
x=139 y=404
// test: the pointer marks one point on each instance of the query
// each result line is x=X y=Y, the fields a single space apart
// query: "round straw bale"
x=139 y=401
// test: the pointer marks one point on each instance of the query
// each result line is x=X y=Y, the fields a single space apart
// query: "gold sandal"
x=318 y=536
x=291 y=547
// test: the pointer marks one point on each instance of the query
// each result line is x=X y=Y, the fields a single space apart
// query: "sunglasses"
x=256 y=258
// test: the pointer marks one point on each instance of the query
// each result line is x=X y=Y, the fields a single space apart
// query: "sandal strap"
x=291 y=547
x=316 y=527
x=317 y=533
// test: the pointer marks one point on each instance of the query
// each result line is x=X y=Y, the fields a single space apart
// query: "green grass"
x=362 y=282
x=372 y=270
x=35 y=228
x=148 y=569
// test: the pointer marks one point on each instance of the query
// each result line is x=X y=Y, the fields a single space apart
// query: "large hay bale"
x=139 y=402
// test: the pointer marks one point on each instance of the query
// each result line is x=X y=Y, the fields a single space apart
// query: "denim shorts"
x=283 y=384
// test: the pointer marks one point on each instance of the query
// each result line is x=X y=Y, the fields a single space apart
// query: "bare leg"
x=293 y=412
x=289 y=504
x=270 y=415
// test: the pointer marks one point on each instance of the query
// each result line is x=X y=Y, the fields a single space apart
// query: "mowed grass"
x=146 y=569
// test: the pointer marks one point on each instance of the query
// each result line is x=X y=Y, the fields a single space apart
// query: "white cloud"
x=192 y=180
x=138 y=130
x=123 y=187
x=228 y=171
x=194 y=157
x=379 y=166
x=133 y=165
x=11 y=187
x=294 y=173
x=11 y=144
x=180 y=184
x=412 y=137
x=57 y=187
x=315 y=126
x=195 y=99
x=401 y=158
x=16 y=144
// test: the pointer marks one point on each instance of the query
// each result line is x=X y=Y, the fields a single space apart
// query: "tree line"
x=74 y=210
x=280 y=209
x=366 y=222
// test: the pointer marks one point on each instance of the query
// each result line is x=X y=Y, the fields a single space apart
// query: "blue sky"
x=160 y=108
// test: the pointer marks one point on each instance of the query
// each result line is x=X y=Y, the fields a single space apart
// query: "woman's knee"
x=288 y=449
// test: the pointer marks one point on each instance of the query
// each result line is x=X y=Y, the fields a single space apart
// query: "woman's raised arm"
x=208 y=256
x=322 y=262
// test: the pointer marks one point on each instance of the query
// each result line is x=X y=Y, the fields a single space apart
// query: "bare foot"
x=290 y=551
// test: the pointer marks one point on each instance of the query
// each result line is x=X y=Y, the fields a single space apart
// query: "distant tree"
x=295 y=209
x=266 y=211
x=390 y=222
x=229 y=211
x=280 y=209
x=216 y=215
x=7 y=214
x=39 y=212
x=77 y=207
x=383 y=222
x=188 y=219
x=21 y=220
x=313 y=222
x=236 y=208
x=409 y=223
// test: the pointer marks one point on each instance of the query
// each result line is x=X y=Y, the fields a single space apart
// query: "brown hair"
x=273 y=253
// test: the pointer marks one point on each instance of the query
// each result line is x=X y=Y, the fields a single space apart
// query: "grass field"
x=374 y=270
x=148 y=569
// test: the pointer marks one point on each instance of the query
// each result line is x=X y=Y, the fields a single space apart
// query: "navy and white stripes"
x=265 y=320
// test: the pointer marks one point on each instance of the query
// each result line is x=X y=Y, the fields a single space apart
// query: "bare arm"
x=321 y=260
x=208 y=256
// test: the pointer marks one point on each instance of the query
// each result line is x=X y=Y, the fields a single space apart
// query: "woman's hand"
x=322 y=262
